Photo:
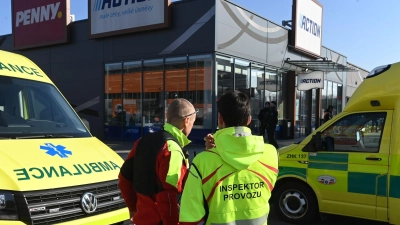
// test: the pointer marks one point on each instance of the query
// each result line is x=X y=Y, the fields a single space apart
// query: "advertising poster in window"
x=269 y=84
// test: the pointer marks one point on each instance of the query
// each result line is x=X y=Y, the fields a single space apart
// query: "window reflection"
x=331 y=95
x=242 y=76
x=200 y=89
x=280 y=100
x=361 y=132
x=137 y=93
x=113 y=100
x=324 y=103
x=132 y=92
x=175 y=77
x=175 y=83
x=224 y=75
x=339 y=98
x=271 y=86
x=153 y=95
x=257 y=100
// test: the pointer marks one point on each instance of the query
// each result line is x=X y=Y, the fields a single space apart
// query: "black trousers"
x=271 y=137
x=262 y=130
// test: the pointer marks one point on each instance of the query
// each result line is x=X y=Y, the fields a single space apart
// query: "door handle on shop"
x=373 y=158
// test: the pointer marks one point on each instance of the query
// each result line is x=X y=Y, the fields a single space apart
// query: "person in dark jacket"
x=272 y=121
x=263 y=118
x=152 y=177
x=328 y=113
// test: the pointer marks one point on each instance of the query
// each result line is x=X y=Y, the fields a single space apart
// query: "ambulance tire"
x=294 y=202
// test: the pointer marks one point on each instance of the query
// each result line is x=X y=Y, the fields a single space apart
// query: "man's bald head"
x=178 y=109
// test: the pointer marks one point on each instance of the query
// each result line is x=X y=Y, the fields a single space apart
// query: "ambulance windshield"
x=35 y=109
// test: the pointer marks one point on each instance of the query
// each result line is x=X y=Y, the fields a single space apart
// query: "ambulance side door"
x=350 y=170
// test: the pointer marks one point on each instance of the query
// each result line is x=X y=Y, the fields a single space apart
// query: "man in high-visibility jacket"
x=153 y=173
x=231 y=183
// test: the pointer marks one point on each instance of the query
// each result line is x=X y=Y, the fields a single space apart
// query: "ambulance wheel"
x=294 y=202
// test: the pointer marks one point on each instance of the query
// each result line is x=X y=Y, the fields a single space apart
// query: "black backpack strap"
x=145 y=180
x=204 y=197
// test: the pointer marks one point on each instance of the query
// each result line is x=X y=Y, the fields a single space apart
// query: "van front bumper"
x=116 y=216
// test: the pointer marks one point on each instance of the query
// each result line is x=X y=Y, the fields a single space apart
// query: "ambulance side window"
x=360 y=132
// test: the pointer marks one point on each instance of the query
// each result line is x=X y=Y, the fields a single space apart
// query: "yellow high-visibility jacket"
x=232 y=182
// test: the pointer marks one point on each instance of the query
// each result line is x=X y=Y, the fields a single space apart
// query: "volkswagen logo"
x=89 y=202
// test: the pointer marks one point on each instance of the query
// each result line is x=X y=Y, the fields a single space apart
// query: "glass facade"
x=200 y=90
x=258 y=81
x=114 y=119
x=303 y=113
x=257 y=85
x=132 y=100
x=331 y=94
x=137 y=94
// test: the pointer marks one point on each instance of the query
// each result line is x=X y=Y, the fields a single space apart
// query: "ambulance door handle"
x=373 y=158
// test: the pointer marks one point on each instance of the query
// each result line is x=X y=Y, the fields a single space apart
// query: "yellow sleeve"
x=175 y=164
x=192 y=202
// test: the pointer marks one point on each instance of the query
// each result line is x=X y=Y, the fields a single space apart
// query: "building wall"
x=244 y=34
x=77 y=68
x=197 y=26
x=354 y=79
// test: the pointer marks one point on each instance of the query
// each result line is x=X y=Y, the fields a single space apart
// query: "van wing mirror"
x=315 y=144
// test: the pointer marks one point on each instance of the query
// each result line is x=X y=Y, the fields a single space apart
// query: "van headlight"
x=378 y=70
x=8 y=207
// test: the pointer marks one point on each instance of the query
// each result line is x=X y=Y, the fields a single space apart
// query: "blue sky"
x=363 y=30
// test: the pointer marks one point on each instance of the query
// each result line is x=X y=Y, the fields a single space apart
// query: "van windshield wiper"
x=43 y=136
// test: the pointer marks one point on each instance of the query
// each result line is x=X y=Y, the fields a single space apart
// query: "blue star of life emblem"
x=56 y=150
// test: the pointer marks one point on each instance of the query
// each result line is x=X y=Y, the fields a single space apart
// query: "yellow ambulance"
x=351 y=164
x=52 y=170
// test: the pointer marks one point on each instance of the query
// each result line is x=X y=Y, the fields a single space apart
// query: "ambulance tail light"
x=8 y=207
x=378 y=70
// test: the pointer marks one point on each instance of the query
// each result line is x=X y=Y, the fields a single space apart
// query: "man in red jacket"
x=154 y=172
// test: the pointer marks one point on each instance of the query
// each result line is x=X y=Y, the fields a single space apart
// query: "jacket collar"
x=183 y=140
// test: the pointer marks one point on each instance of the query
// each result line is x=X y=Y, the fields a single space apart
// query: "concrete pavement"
x=123 y=148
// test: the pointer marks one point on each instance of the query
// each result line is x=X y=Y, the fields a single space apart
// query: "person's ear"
x=249 y=120
x=221 y=123
x=186 y=121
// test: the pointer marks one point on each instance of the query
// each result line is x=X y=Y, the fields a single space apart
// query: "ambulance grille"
x=64 y=204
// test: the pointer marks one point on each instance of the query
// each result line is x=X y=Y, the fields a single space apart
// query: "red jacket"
x=171 y=171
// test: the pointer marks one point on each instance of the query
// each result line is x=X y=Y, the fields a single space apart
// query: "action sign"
x=39 y=22
x=307 y=25
x=310 y=81
x=111 y=17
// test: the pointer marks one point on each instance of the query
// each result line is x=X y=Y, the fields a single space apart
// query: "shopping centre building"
x=122 y=66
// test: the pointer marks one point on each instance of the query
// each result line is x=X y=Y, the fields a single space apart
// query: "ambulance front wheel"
x=294 y=202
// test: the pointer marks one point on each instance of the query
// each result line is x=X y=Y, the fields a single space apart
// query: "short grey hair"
x=178 y=109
